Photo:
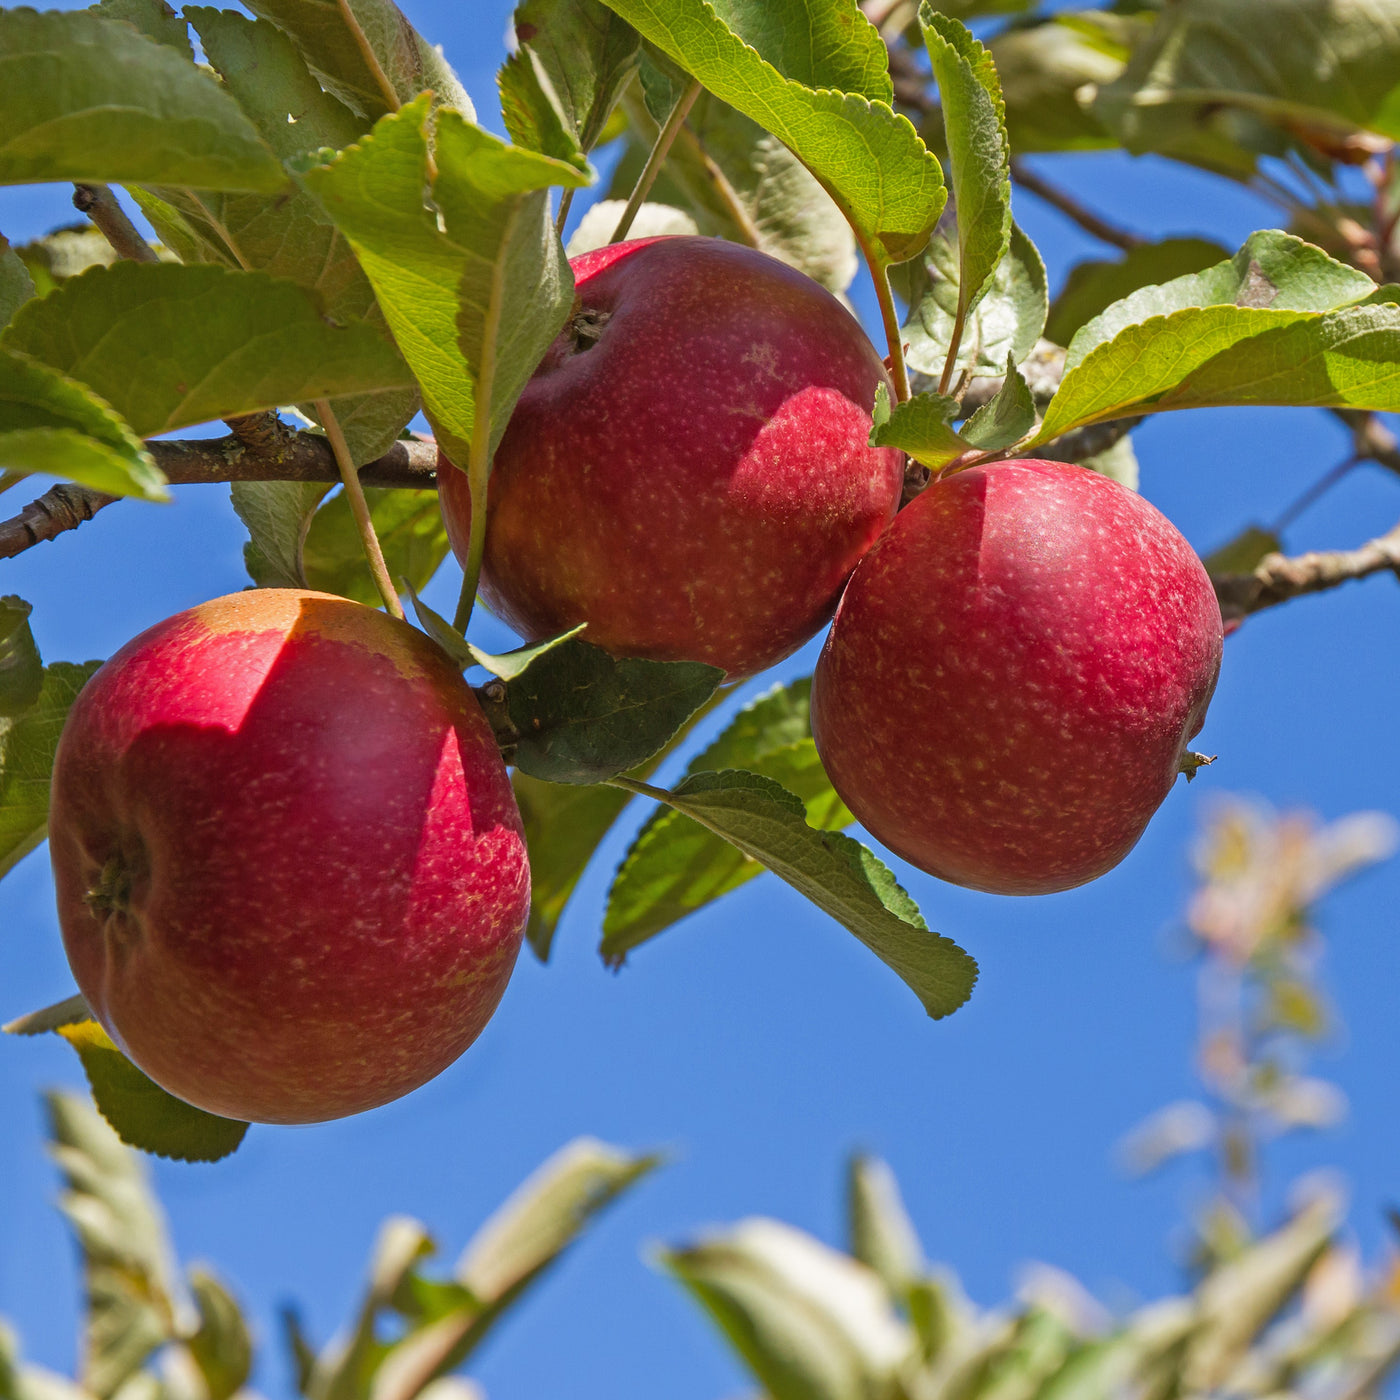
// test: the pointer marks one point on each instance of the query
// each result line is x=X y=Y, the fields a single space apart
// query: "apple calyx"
x=1190 y=762
x=112 y=892
x=586 y=328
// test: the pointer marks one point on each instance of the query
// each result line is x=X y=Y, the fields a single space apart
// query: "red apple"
x=688 y=472
x=291 y=875
x=1012 y=677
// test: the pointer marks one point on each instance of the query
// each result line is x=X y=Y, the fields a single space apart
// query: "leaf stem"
x=950 y=361
x=359 y=508
x=656 y=158
x=880 y=276
x=386 y=88
x=566 y=200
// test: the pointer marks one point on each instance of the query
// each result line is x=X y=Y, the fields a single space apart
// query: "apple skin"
x=1013 y=675
x=311 y=873
x=697 y=484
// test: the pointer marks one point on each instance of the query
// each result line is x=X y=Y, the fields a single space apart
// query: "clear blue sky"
x=758 y=1041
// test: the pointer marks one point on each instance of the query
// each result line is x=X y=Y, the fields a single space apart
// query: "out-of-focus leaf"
x=326 y=37
x=27 y=746
x=64 y=253
x=21 y=669
x=1240 y=1297
x=810 y=1324
x=817 y=78
x=213 y=343
x=558 y=89
x=128 y=1272
x=90 y=99
x=578 y=715
x=839 y=875
x=1118 y=462
x=1217 y=74
x=595 y=229
x=881 y=1234
x=143 y=1115
x=1007 y=321
x=675 y=866
x=222 y=1346
x=1094 y=286
x=1244 y=553
x=1049 y=68
x=411 y=532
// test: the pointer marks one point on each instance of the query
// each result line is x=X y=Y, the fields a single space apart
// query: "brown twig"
x=100 y=205
x=301 y=457
x=1092 y=224
x=1278 y=578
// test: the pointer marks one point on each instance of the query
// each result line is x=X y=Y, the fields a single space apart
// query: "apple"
x=688 y=471
x=291 y=874
x=1013 y=674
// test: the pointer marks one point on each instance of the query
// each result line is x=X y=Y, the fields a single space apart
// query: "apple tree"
x=334 y=244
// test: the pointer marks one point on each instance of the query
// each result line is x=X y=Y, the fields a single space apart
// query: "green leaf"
x=557 y=91
x=1094 y=286
x=222 y=1347
x=16 y=285
x=52 y=424
x=564 y=825
x=154 y=18
x=974 y=122
x=816 y=77
x=741 y=183
x=810 y=1323
x=839 y=876
x=1047 y=68
x=508 y=665
x=142 y=1113
x=921 y=426
x=510 y=1252
x=277 y=515
x=486 y=291
x=1007 y=321
x=675 y=866
x=90 y=99
x=21 y=670
x=411 y=532
x=1216 y=356
x=1244 y=553
x=27 y=745
x=1272 y=270
x=291 y=237
x=1212 y=73
x=578 y=715
x=212 y=343
x=881 y=1234
x=546 y=1214
x=128 y=1272
x=325 y=35
x=1006 y=418
x=1118 y=462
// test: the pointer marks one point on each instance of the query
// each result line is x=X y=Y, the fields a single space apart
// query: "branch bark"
x=100 y=205
x=297 y=457
x=1279 y=578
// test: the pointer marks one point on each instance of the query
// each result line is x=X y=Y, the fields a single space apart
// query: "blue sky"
x=758 y=1042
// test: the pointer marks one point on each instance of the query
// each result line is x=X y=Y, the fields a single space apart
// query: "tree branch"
x=1071 y=208
x=196 y=461
x=1280 y=578
x=100 y=205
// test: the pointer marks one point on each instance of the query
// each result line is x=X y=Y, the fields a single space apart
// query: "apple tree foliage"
x=341 y=243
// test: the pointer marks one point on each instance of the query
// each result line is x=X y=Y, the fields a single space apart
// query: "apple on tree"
x=689 y=470
x=1016 y=667
x=291 y=875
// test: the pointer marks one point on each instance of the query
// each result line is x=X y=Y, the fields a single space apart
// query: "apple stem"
x=880 y=275
x=659 y=151
x=359 y=508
